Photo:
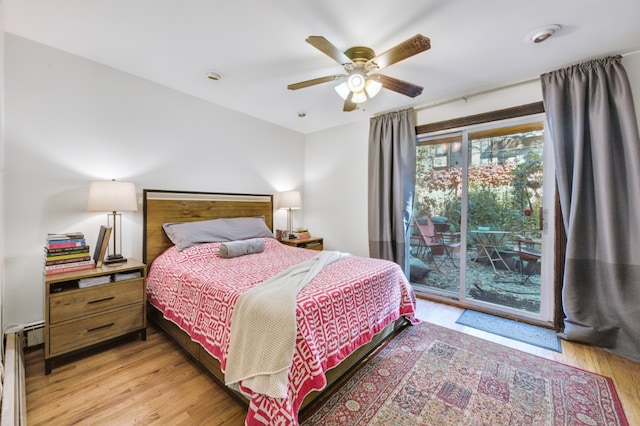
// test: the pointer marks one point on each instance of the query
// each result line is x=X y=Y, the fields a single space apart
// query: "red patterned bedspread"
x=341 y=309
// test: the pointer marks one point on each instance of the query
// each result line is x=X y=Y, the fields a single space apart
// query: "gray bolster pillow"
x=242 y=247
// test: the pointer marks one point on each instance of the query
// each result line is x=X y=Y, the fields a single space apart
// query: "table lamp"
x=290 y=200
x=113 y=196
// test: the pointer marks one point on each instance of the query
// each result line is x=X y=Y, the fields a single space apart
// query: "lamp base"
x=114 y=258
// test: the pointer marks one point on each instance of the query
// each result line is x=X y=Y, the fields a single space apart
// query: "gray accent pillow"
x=241 y=248
x=187 y=234
x=418 y=269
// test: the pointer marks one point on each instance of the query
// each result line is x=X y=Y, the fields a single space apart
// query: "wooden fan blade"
x=404 y=50
x=349 y=105
x=326 y=47
x=313 y=82
x=400 y=86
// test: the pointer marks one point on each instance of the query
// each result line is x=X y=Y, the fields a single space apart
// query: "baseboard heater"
x=14 y=395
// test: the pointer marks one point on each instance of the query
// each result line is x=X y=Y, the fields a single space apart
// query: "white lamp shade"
x=290 y=200
x=112 y=196
x=359 y=97
x=343 y=90
x=372 y=87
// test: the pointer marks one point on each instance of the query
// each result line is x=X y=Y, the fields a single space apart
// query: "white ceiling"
x=259 y=45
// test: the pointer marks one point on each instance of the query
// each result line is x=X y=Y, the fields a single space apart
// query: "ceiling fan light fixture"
x=359 y=97
x=343 y=90
x=361 y=65
x=356 y=82
x=372 y=87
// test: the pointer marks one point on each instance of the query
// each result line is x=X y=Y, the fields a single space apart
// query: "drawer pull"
x=101 y=300
x=100 y=327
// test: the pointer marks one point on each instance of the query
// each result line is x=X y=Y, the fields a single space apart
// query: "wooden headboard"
x=161 y=206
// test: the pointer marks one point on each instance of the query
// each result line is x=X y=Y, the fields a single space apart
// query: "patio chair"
x=528 y=250
x=443 y=228
x=432 y=244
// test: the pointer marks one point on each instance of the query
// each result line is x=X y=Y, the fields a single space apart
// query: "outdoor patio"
x=503 y=287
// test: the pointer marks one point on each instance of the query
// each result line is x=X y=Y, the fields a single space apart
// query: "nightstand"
x=79 y=315
x=313 y=243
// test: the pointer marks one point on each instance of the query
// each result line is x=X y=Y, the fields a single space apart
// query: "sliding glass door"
x=479 y=231
x=437 y=243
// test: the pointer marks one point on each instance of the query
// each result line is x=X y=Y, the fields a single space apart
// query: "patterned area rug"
x=430 y=375
x=522 y=332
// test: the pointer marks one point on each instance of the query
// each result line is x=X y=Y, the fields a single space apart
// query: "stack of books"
x=301 y=234
x=66 y=252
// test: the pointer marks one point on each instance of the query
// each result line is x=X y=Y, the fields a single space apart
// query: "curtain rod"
x=493 y=89
x=479 y=92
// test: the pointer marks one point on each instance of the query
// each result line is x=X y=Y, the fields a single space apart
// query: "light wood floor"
x=153 y=382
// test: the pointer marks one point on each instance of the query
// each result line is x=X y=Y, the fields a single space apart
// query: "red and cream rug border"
x=429 y=374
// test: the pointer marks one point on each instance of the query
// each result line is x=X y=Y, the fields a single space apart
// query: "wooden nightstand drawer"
x=88 y=301
x=77 y=317
x=81 y=333
x=313 y=243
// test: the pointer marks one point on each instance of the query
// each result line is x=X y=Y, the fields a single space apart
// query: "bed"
x=347 y=310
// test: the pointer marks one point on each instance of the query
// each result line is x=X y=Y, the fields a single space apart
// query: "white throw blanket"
x=263 y=329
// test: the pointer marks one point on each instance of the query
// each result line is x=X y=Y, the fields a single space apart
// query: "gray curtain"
x=592 y=120
x=392 y=170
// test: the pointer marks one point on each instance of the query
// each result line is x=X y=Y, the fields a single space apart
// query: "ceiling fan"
x=362 y=65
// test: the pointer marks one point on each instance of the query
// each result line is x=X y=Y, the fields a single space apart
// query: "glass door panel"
x=436 y=239
x=504 y=207
x=476 y=229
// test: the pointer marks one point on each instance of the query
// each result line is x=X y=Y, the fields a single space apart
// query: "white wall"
x=70 y=120
x=335 y=203
x=1 y=174
x=632 y=65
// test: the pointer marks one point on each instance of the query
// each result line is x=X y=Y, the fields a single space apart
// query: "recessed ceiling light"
x=214 y=75
x=542 y=34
